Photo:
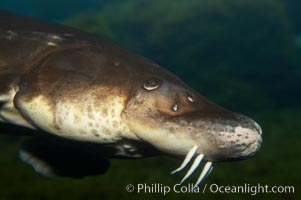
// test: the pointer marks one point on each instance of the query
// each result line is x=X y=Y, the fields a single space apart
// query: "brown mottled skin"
x=61 y=64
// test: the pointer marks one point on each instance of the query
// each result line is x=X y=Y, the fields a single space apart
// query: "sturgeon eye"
x=152 y=84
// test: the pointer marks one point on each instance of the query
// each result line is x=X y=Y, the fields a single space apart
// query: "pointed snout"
x=227 y=136
x=238 y=141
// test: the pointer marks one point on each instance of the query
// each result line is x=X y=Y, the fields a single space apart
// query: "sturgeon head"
x=177 y=120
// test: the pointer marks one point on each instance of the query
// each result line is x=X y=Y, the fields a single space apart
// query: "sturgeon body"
x=83 y=89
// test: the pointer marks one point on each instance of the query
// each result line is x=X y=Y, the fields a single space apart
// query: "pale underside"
x=69 y=122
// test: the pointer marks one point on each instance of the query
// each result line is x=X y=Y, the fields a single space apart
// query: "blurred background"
x=243 y=54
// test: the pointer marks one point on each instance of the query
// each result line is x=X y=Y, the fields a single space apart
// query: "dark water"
x=244 y=55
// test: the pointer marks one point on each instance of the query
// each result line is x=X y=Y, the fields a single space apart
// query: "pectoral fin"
x=53 y=160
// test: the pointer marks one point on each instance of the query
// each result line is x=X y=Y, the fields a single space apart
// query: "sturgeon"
x=89 y=100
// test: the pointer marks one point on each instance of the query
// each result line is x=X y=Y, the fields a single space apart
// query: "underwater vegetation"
x=217 y=46
x=244 y=55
